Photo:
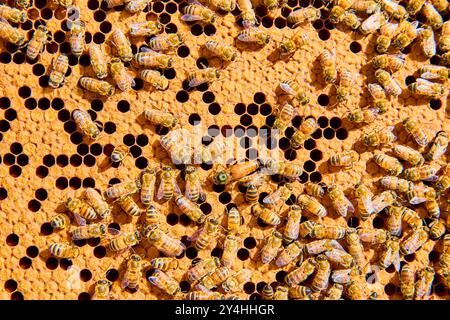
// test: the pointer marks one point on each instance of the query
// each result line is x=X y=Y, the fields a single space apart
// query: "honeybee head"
x=221 y=178
x=135 y=257
x=104 y=282
x=103 y=229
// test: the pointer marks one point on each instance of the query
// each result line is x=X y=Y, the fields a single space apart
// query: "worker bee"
x=65 y=3
x=60 y=65
x=292 y=88
x=77 y=37
x=337 y=12
x=320 y=280
x=85 y=123
x=389 y=84
x=438 y=147
x=437 y=229
x=379 y=136
x=391 y=62
x=225 y=5
x=158 y=117
x=311 y=205
x=236 y=281
x=214 y=151
x=266 y=215
x=360 y=115
x=284 y=117
x=355 y=290
x=129 y=206
x=197 y=12
x=320 y=246
x=221 y=50
x=12 y=14
x=267 y=292
x=432 y=16
x=202 y=268
x=407 y=32
x=64 y=250
x=355 y=247
x=383 y=200
x=289 y=254
x=344 y=276
x=114 y=3
x=301 y=273
x=424 y=283
x=328 y=64
x=152 y=59
x=407 y=280
x=256 y=179
x=345 y=159
x=145 y=28
x=298 y=292
x=120 y=75
x=214 y=279
x=166 y=42
x=98 y=60
x=89 y=231
x=194 y=190
x=278 y=197
x=433 y=209
x=119 y=153
x=97 y=86
x=394 y=9
x=340 y=202
x=233 y=221
x=166 y=244
x=148 y=180
x=230 y=248
x=443 y=182
x=122 y=45
x=366 y=6
x=252 y=194
x=414 y=241
x=247 y=13
x=427 y=88
x=378 y=94
x=60 y=221
x=254 y=34
x=321 y=231
x=153 y=216
x=444 y=40
x=102 y=290
x=304 y=132
x=123 y=189
x=190 y=209
x=413 y=128
x=164 y=282
x=271 y=247
x=124 y=241
x=396 y=184
x=388 y=163
x=134 y=6
x=440 y=5
x=11 y=34
x=314 y=189
x=80 y=210
x=373 y=236
x=289 y=170
x=201 y=76
x=413 y=7
x=176 y=143
x=299 y=16
x=168 y=186
x=427 y=42
x=294 y=43
x=433 y=72
x=363 y=201
x=164 y=263
x=281 y=293
x=204 y=294
x=421 y=194
x=133 y=271
x=339 y=258
x=37 y=44
x=424 y=172
x=390 y=254
x=394 y=221
x=346 y=82
x=373 y=23
x=204 y=236
x=235 y=172
x=409 y=154
x=291 y=230
x=335 y=292
x=351 y=20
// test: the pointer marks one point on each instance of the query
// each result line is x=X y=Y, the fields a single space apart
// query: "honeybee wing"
x=193 y=83
x=124 y=283
x=188 y=17
x=271 y=198
x=433 y=178
x=336 y=245
x=79 y=220
x=429 y=76
x=114 y=232
x=341 y=276
x=176 y=188
x=195 y=235
x=154 y=281
x=423 y=85
x=287 y=88
x=160 y=193
x=396 y=262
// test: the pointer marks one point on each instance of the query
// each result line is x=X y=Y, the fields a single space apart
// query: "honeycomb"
x=43 y=158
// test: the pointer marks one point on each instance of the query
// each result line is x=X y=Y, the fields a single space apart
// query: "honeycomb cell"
x=435 y=104
x=10 y=285
x=17 y=295
x=243 y=254
x=31 y=104
x=324 y=34
x=32 y=252
x=12 y=240
x=25 y=262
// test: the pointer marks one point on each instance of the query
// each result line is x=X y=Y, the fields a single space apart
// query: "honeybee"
x=190 y=209
x=133 y=271
x=202 y=268
x=37 y=44
x=289 y=170
x=321 y=231
x=152 y=59
x=308 y=14
x=391 y=254
x=60 y=221
x=134 y=6
x=367 y=6
x=424 y=172
x=351 y=20
x=271 y=247
x=266 y=215
x=394 y=9
x=294 y=43
x=60 y=65
x=437 y=229
x=389 y=84
x=98 y=60
x=373 y=22
x=233 y=221
x=278 y=197
x=407 y=279
x=166 y=42
x=311 y=205
x=292 y=88
x=256 y=179
x=97 y=86
x=383 y=200
x=201 y=76
x=378 y=94
x=314 y=189
x=77 y=37
x=320 y=246
x=344 y=276
x=158 y=117
x=438 y=147
x=164 y=263
x=284 y=117
x=123 y=189
x=440 y=5
x=409 y=154
x=424 y=283
x=221 y=50
x=205 y=235
x=373 y=236
x=254 y=34
x=433 y=72
x=414 y=241
x=148 y=180
x=64 y=250
x=301 y=273
x=427 y=88
x=427 y=42
x=338 y=11
x=175 y=142
x=289 y=254
x=124 y=241
x=339 y=257
x=320 y=280
x=114 y=3
x=433 y=17
x=443 y=182
x=102 y=290
x=340 y=202
x=165 y=243
x=129 y=206
x=345 y=159
x=211 y=152
x=355 y=290
x=230 y=249
x=394 y=221
x=388 y=163
x=85 y=123
x=214 y=279
x=328 y=64
x=433 y=209
x=194 y=190
x=12 y=14
x=413 y=128
x=390 y=62
x=355 y=247
x=236 y=281
x=80 y=210
x=407 y=32
x=153 y=216
x=267 y=292
x=291 y=230
x=251 y=194
x=168 y=186
x=396 y=184
x=444 y=40
x=204 y=295
x=89 y=231
x=65 y=3
x=421 y=194
x=235 y=172
x=414 y=6
x=197 y=12
x=346 y=82
x=121 y=77
x=335 y=292
x=11 y=34
x=298 y=292
x=363 y=201
x=379 y=136
x=164 y=282
x=281 y=293
x=247 y=13
x=304 y=132
x=225 y=5
x=360 y=115
x=119 y=153
x=145 y=28
x=122 y=45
